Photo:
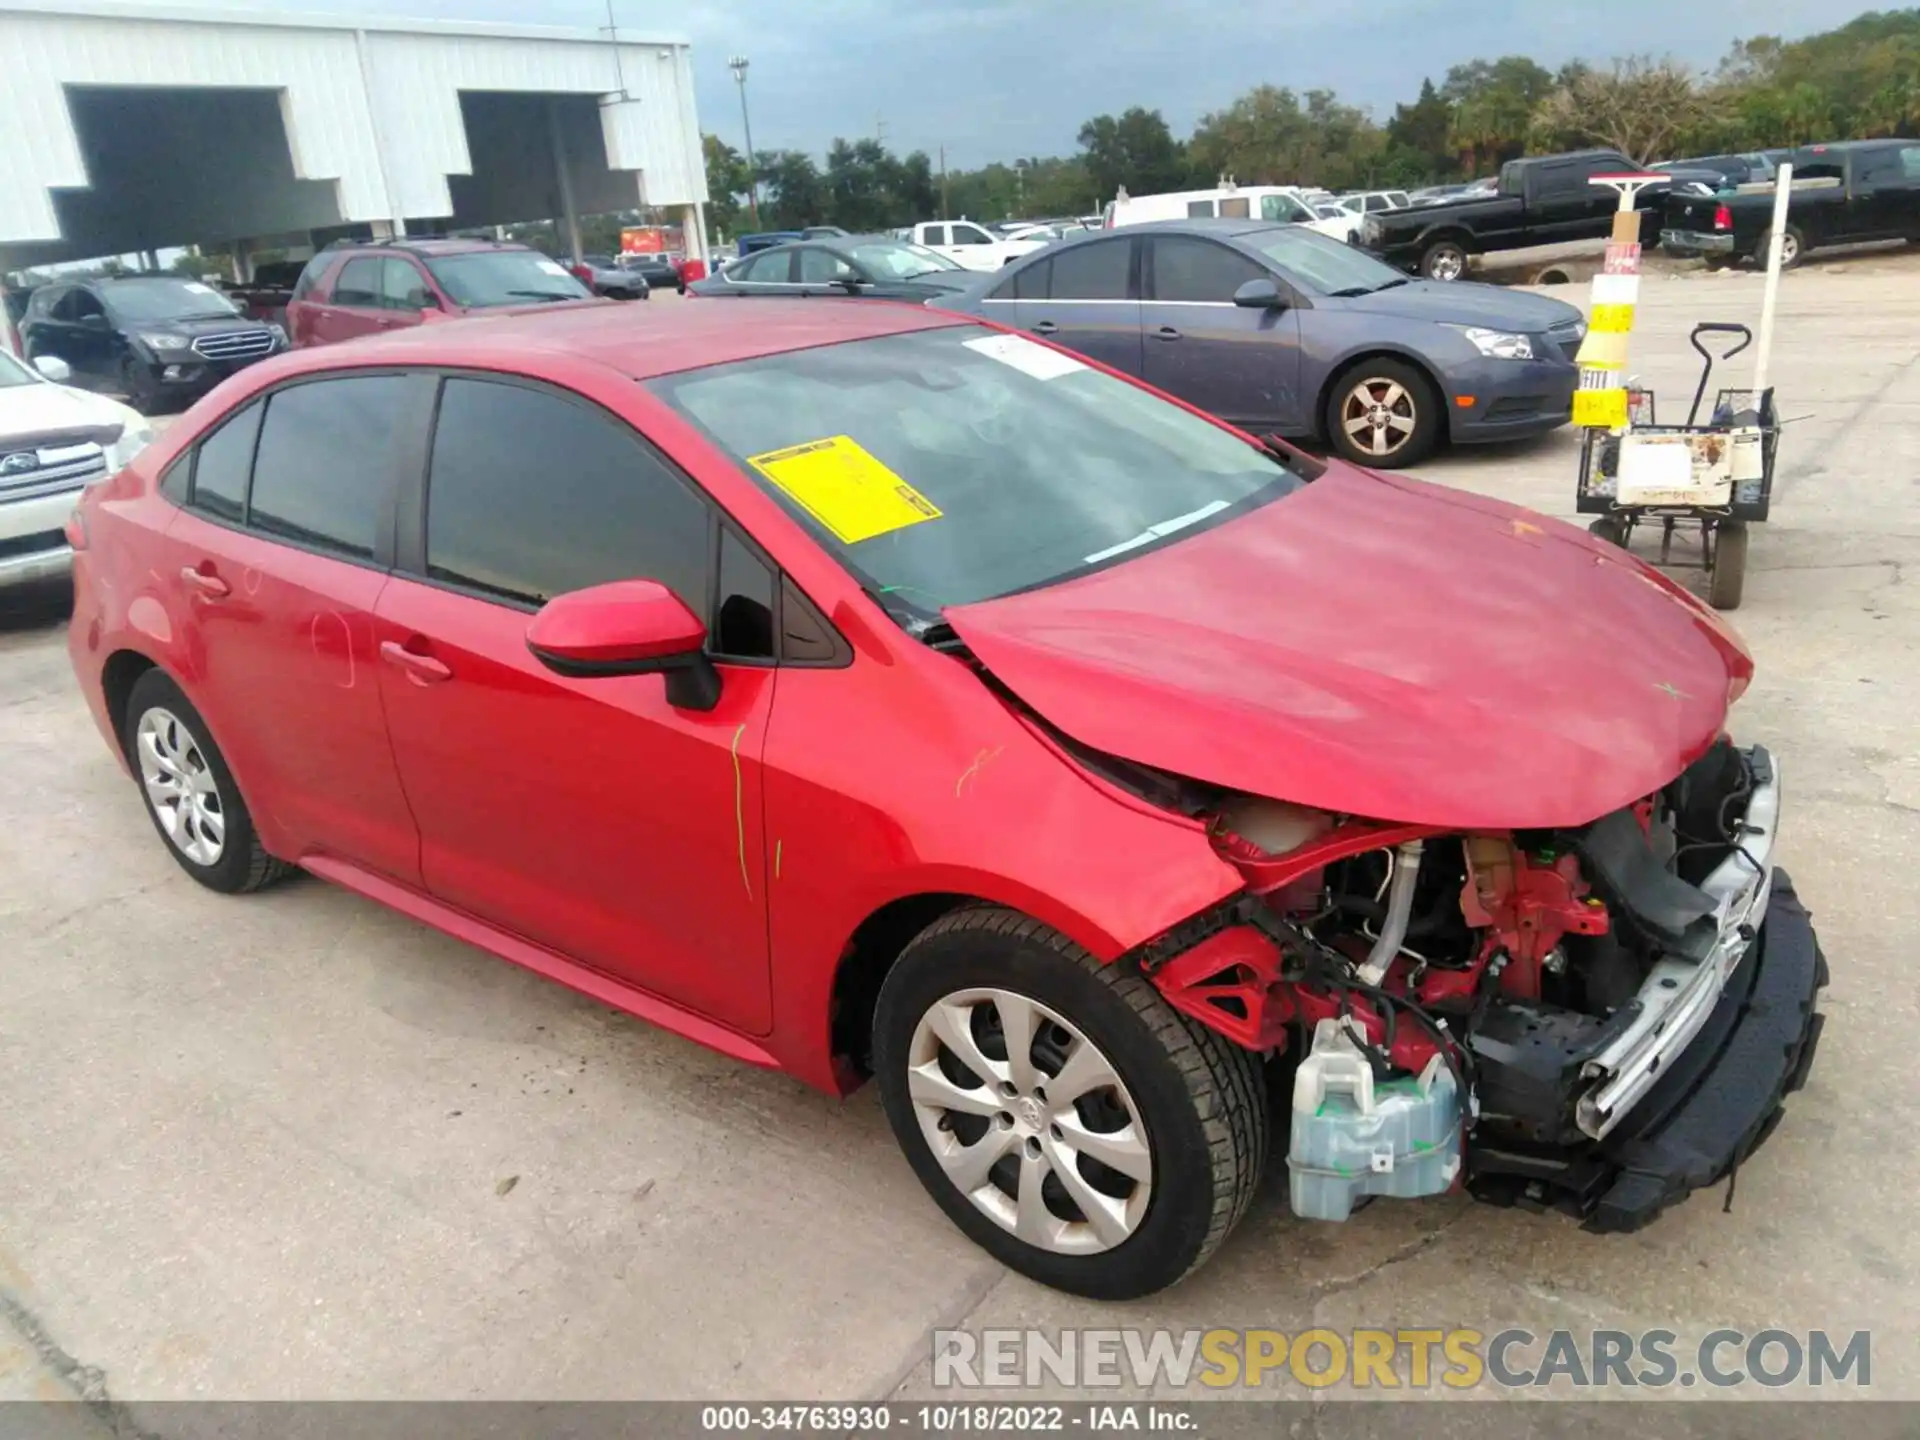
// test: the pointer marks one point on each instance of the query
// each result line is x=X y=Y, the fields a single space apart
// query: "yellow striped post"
x=1600 y=402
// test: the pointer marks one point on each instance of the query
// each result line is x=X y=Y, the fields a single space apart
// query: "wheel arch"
x=1448 y=230
x=1347 y=364
x=118 y=675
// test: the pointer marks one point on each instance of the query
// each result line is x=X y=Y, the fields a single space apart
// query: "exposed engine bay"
x=1545 y=1016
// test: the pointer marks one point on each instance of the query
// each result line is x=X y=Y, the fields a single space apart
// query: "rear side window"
x=531 y=495
x=1200 y=209
x=1198 y=271
x=359 y=283
x=310 y=277
x=324 y=467
x=1240 y=207
x=221 y=465
x=743 y=614
x=1096 y=271
x=1029 y=282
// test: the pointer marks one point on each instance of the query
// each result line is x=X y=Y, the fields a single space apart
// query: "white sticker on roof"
x=553 y=267
x=196 y=288
x=1025 y=356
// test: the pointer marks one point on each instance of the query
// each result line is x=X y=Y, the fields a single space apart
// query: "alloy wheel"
x=180 y=786
x=1447 y=264
x=1030 y=1120
x=1379 y=416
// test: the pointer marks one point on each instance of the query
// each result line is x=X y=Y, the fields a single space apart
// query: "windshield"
x=147 y=300
x=900 y=260
x=1324 y=266
x=12 y=373
x=958 y=464
x=504 y=277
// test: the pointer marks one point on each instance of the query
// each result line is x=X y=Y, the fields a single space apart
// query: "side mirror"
x=627 y=627
x=1260 y=294
x=53 y=368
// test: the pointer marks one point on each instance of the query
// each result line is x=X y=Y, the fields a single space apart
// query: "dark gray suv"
x=1277 y=329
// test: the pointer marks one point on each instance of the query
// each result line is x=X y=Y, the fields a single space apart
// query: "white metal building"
x=132 y=127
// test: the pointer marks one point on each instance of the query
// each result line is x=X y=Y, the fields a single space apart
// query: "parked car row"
x=1844 y=193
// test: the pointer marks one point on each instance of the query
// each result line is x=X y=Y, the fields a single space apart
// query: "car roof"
x=666 y=340
x=451 y=245
x=1199 y=226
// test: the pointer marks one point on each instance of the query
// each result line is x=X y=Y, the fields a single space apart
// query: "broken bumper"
x=1722 y=1096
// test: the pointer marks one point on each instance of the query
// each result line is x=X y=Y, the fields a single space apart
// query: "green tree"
x=1639 y=107
x=1493 y=105
x=1136 y=150
x=1421 y=132
x=792 y=193
x=727 y=178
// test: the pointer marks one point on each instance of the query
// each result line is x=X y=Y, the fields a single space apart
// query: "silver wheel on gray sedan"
x=1379 y=416
x=1030 y=1121
x=180 y=786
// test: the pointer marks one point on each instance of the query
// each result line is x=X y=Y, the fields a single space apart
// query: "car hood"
x=56 y=413
x=1379 y=646
x=1465 y=303
x=193 y=328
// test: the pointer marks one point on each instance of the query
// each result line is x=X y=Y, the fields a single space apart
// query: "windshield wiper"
x=542 y=295
x=1389 y=285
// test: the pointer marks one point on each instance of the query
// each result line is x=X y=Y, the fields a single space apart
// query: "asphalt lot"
x=263 y=1148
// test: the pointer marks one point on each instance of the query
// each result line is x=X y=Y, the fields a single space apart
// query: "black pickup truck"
x=1850 y=191
x=1542 y=200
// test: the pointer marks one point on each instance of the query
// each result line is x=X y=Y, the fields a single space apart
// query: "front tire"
x=1611 y=528
x=190 y=793
x=138 y=384
x=1384 y=413
x=1067 y=1119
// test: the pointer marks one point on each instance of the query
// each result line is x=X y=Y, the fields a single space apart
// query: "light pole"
x=738 y=64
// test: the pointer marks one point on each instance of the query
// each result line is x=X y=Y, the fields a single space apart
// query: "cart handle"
x=1719 y=327
x=1713 y=327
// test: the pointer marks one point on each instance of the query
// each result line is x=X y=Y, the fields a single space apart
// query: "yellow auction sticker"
x=1600 y=409
x=845 y=488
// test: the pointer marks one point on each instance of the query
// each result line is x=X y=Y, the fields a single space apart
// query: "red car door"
x=357 y=303
x=279 y=580
x=587 y=815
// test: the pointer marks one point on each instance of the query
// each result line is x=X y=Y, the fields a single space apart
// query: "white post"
x=1782 y=193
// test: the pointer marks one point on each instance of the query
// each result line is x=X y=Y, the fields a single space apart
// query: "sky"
x=996 y=79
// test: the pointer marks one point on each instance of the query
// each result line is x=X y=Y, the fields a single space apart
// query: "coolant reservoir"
x=1273 y=825
x=1353 y=1137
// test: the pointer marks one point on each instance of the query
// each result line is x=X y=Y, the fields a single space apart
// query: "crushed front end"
x=1615 y=1012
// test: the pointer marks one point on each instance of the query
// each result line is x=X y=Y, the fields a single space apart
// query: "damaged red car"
x=866 y=692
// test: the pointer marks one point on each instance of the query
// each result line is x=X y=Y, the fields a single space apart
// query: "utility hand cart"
x=1717 y=475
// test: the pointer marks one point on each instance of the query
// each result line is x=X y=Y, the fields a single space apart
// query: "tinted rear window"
x=1094 y=271
x=325 y=462
x=220 y=471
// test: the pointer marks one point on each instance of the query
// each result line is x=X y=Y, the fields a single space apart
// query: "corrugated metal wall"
x=375 y=113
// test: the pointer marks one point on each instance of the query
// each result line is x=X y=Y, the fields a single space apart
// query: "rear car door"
x=276 y=562
x=1092 y=303
x=1886 y=193
x=355 y=306
x=587 y=815
x=1240 y=364
x=770 y=273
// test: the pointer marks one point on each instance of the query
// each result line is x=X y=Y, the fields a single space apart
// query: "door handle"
x=1045 y=327
x=207 y=583
x=421 y=669
x=1166 y=332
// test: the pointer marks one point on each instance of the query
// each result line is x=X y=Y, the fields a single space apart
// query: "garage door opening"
x=179 y=166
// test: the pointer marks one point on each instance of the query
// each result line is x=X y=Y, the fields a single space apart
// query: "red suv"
x=864 y=689
x=353 y=288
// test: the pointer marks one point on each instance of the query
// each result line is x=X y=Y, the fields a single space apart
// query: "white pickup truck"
x=973 y=246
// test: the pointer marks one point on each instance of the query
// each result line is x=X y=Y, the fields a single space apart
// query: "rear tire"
x=1179 y=1107
x=1395 y=405
x=1793 y=248
x=190 y=793
x=1444 y=260
x=1729 y=577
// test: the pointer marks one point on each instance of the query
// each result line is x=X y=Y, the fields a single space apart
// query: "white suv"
x=54 y=442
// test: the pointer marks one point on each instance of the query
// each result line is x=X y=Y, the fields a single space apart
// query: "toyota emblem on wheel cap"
x=19 y=463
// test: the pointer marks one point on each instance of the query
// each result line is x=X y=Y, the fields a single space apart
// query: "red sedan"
x=861 y=690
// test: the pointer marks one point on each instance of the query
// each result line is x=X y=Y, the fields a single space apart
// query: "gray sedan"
x=1278 y=329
